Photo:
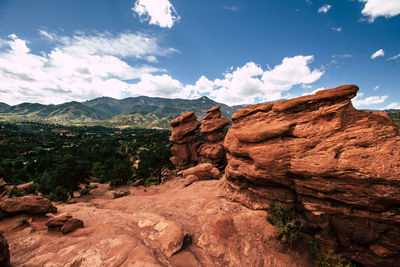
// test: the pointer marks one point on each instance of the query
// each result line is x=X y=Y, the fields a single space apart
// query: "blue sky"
x=235 y=52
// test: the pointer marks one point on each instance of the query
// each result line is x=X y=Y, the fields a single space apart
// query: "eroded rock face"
x=4 y=252
x=70 y=225
x=203 y=171
x=213 y=130
x=339 y=167
x=184 y=135
x=27 y=204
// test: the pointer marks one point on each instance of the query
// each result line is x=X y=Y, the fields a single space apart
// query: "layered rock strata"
x=212 y=150
x=184 y=135
x=337 y=166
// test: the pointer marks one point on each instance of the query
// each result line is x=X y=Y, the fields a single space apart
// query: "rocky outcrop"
x=4 y=252
x=337 y=166
x=27 y=204
x=213 y=130
x=64 y=223
x=70 y=225
x=58 y=221
x=203 y=171
x=184 y=135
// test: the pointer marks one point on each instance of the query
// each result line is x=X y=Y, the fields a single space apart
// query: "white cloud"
x=77 y=68
x=324 y=9
x=157 y=12
x=394 y=57
x=379 y=53
x=342 y=56
x=377 y=87
x=395 y=105
x=313 y=92
x=377 y=8
x=336 y=29
x=231 y=8
x=360 y=101
x=250 y=83
x=158 y=85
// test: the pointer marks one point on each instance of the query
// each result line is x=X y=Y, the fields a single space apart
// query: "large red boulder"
x=337 y=166
x=27 y=204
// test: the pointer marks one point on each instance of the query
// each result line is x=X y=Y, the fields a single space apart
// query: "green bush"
x=290 y=234
x=151 y=181
x=153 y=160
x=59 y=194
x=121 y=194
x=31 y=189
x=86 y=190
x=16 y=193
x=289 y=229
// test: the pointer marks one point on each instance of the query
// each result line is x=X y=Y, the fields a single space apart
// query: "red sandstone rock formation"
x=4 y=252
x=27 y=204
x=203 y=171
x=213 y=130
x=70 y=225
x=339 y=167
x=184 y=136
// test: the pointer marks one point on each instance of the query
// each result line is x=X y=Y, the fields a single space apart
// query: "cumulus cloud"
x=379 y=53
x=158 y=85
x=77 y=68
x=378 y=8
x=84 y=67
x=360 y=100
x=157 y=12
x=251 y=83
x=395 y=105
x=324 y=9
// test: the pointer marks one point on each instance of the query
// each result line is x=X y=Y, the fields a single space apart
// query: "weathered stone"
x=4 y=252
x=70 y=225
x=190 y=179
x=214 y=125
x=27 y=204
x=184 y=135
x=204 y=171
x=338 y=166
x=58 y=221
x=213 y=130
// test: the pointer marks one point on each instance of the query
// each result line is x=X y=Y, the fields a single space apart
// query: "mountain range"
x=140 y=112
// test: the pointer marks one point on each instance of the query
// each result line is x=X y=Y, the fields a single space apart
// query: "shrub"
x=289 y=229
x=31 y=189
x=290 y=234
x=152 y=181
x=86 y=190
x=121 y=194
x=59 y=194
x=14 y=192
